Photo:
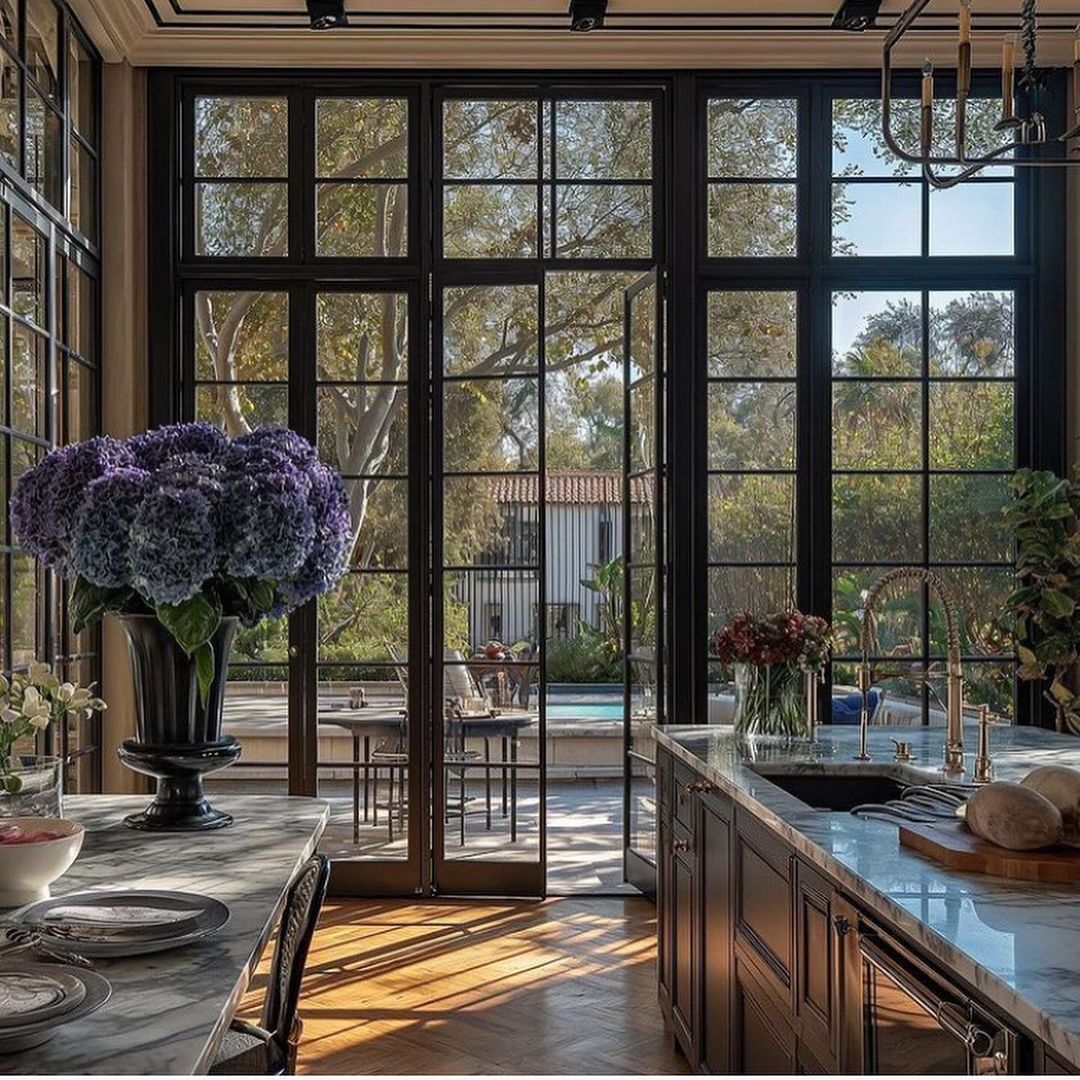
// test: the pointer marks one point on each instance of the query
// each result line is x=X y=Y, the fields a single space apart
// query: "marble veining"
x=1017 y=942
x=168 y=1010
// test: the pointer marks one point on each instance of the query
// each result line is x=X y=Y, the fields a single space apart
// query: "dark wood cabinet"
x=714 y=825
x=762 y=1042
x=682 y=942
x=815 y=984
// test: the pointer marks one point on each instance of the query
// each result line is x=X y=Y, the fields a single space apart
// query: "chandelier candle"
x=926 y=115
x=1008 y=84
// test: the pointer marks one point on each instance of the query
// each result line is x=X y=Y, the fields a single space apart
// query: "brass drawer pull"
x=700 y=786
x=680 y=845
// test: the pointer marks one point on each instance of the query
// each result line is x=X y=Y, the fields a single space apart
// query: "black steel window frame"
x=65 y=250
x=1037 y=271
x=1034 y=273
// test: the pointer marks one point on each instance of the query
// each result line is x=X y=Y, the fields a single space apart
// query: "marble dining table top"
x=1016 y=942
x=168 y=1010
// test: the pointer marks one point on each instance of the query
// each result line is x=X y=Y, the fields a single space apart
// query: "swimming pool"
x=590 y=710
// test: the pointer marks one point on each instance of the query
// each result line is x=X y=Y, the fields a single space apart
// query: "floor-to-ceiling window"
x=49 y=340
x=430 y=279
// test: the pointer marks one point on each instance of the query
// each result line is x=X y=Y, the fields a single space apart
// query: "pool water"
x=586 y=711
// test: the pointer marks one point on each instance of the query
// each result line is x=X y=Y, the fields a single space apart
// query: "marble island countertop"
x=1017 y=942
x=168 y=1010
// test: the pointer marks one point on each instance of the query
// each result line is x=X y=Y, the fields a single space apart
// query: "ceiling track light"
x=857 y=16
x=327 y=14
x=586 y=15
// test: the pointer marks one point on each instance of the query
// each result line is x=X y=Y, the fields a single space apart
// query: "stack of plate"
x=36 y=999
x=129 y=923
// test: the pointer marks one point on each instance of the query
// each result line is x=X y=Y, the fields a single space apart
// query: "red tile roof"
x=571 y=487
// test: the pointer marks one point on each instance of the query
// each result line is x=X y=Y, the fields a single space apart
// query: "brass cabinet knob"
x=680 y=845
x=698 y=786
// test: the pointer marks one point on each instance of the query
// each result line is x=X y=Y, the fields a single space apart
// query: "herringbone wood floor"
x=466 y=987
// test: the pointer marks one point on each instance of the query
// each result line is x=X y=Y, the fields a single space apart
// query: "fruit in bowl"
x=34 y=852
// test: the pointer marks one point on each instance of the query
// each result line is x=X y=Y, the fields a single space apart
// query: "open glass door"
x=643 y=579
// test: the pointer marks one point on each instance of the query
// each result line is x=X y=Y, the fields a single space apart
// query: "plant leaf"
x=90 y=602
x=1027 y=657
x=204 y=669
x=1062 y=694
x=192 y=622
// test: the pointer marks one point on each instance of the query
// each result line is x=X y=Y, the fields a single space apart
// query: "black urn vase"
x=179 y=736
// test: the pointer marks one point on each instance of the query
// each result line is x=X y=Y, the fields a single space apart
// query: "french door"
x=643 y=577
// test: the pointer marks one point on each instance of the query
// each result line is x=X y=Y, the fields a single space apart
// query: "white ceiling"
x=529 y=33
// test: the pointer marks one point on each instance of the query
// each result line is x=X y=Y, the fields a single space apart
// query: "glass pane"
x=752 y=333
x=485 y=605
x=9 y=106
x=490 y=329
x=242 y=137
x=993 y=685
x=83 y=209
x=364 y=428
x=241 y=336
x=584 y=311
x=760 y=589
x=238 y=409
x=490 y=425
x=257 y=712
x=877 y=518
x=642 y=430
x=642 y=521
x=80 y=420
x=80 y=316
x=643 y=337
x=43 y=148
x=28 y=391
x=966 y=521
x=972 y=333
x=362 y=137
x=979 y=593
x=753 y=138
x=876 y=219
x=241 y=219
x=489 y=221
x=81 y=88
x=490 y=140
x=42 y=48
x=971 y=425
x=363 y=735
x=365 y=617
x=877 y=424
x=973 y=219
x=877 y=333
x=491 y=521
x=603 y=140
x=28 y=263
x=9 y=23
x=382 y=507
x=603 y=221
x=752 y=220
x=362 y=220
x=899 y=618
x=24 y=610
x=362 y=336
x=858 y=145
x=751 y=425
x=902 y=700
x=751 y=518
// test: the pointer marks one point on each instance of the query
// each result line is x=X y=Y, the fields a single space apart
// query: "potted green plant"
x=1043 y=612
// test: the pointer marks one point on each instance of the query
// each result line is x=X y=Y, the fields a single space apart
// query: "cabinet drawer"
x=763 y=1043
x=682 y=798
x=763 y=910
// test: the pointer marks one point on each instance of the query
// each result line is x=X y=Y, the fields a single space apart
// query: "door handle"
x=695 y=787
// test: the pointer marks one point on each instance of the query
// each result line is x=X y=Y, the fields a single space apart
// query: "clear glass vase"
x=770 y=699
x=32 y=787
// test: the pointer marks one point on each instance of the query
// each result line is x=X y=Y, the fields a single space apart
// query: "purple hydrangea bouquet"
x=186 y=536
x=188 y=525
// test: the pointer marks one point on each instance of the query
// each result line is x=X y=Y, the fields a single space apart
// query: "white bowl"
x=27 y=870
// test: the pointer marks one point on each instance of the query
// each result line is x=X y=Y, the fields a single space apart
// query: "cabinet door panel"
x=815 y=980
x=682 y=798
x=763 y=896
x=682 y=948
x=763 y=1043
x=714 y=833
x=664 y=921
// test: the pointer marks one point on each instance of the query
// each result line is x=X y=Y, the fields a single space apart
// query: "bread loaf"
x=1014 y=817
x=1062 y=787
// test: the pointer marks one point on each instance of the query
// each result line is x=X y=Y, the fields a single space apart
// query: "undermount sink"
x=836 y=790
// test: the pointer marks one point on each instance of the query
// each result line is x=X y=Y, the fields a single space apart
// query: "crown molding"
x=125 y=30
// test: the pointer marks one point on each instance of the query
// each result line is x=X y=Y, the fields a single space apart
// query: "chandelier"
x=1017 y=131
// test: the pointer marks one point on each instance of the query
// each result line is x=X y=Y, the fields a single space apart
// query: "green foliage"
x=584 y=658
x=1042 y=610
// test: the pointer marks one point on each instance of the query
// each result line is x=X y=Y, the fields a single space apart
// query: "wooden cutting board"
x=950 y=844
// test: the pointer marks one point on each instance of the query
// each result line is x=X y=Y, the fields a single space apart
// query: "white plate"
x=205 y=915
x=38 y=993
x=98 y=990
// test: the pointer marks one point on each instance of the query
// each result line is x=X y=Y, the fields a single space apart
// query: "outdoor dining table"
x=168 y=1011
